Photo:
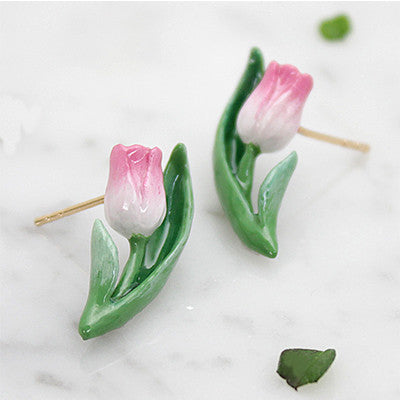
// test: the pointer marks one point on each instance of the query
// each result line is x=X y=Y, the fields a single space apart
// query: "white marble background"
x=75 y=79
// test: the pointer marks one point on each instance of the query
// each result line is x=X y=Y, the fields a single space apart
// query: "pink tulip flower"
x=135 y=201
x=270 y=117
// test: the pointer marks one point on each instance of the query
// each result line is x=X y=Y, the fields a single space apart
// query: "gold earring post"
x=363 y=147
x=69 y=211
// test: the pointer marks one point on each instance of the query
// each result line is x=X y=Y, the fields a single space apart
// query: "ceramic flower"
x=271 y=115
x=135 y=201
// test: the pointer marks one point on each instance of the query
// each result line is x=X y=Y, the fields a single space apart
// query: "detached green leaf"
x=302 y=366
x=336 y=28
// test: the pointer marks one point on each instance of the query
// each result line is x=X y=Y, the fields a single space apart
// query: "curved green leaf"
x=162 y=252
x=234 y=167
x=271 y=193
x=104 y=269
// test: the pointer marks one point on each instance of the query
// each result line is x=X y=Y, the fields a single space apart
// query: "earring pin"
x=54 y=216
x=65 y=212
x=350 y=144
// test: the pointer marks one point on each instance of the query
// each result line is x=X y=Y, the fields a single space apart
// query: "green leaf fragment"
x=302 y=366
x=336 y=28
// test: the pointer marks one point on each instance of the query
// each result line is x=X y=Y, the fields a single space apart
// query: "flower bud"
x=271 y=115
x=135 y=201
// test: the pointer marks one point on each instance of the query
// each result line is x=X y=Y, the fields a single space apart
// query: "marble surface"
x=75 y=79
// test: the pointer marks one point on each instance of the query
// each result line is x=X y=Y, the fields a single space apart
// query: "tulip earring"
x=154 y=211
x=262 y=116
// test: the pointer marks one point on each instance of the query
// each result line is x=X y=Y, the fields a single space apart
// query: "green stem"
x=133 y=266
x=246 y=169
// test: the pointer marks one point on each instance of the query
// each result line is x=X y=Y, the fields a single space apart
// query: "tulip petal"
x=134 y=201
x=271 y=115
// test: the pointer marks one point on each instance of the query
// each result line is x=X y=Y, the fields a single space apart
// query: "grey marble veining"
x=75 y=79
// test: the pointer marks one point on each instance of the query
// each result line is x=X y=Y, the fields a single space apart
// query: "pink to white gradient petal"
x=135 y=202
x=271 y=115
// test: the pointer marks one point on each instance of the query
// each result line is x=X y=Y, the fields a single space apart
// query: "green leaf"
x=103 y=276
x=336 y=28
x=302 y=366
x=272 y=190
x=104 y=269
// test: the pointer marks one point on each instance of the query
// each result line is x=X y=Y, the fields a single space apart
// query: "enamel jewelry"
x=262 y=116
x=153 y=211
